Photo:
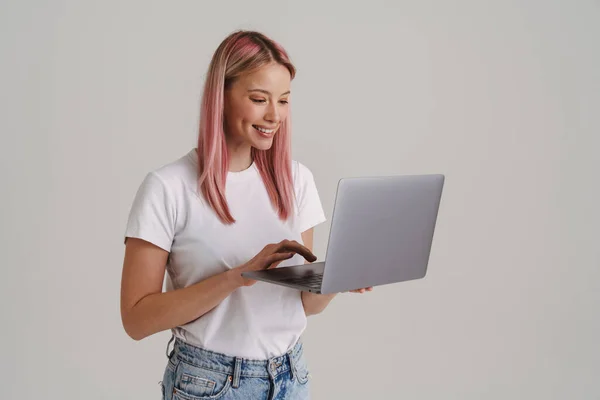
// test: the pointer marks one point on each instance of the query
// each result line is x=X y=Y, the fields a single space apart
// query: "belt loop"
x=237 y=371
x=292 y=362
x=168 y=344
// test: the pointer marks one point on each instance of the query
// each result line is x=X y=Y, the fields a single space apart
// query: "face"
x=255 y=106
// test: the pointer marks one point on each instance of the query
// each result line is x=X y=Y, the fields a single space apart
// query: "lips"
x=266 y=132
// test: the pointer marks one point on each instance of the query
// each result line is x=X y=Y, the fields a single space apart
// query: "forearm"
x=315 y=303
x=161 y=311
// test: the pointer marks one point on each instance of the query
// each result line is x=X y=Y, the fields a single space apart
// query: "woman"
x=235 y=203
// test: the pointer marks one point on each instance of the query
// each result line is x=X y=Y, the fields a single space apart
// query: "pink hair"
x=240 y=53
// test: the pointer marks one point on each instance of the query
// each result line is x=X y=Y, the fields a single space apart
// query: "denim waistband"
x=238 y=366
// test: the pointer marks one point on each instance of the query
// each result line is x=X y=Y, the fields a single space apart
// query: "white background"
x=501 y=96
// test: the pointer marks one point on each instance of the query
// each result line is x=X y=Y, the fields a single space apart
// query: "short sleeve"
x=310 y=209
x=152 y=215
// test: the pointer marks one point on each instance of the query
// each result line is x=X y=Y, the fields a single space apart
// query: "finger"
x=275 y=264
x=278 y=257
x=292 y=245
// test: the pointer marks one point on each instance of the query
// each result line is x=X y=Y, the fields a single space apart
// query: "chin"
x=260 y=141
x=262 y=144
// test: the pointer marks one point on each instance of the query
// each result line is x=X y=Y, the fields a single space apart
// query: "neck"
x=240 y=157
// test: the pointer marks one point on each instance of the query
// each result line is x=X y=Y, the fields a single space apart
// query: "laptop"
x=381 y=233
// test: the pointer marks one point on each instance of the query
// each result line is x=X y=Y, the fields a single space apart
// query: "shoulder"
x=172 y=176
x=169 y=182
x=303 y=178
x=301 y=173
x=182 y=169
x=309 y=209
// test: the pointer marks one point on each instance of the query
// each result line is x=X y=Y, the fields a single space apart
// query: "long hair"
x=240 y=53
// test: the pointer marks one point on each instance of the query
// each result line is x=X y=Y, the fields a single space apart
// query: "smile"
x=264 y=130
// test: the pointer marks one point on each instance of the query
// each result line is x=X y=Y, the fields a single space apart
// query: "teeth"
x=263 y=130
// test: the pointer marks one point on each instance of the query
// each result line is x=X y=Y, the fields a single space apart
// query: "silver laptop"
x=381 y=232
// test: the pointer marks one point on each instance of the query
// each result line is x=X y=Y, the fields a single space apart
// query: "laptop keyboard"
x=312 y=281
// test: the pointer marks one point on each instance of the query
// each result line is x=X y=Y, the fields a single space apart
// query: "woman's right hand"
x=271 y=256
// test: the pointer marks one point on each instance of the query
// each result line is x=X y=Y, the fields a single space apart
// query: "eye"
x=284 y=101
x=259 y=101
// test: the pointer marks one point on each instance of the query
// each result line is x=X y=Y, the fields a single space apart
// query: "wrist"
x=234 y=278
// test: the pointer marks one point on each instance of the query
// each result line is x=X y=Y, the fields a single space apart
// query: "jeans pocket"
x=193 y=382
x=302 y=371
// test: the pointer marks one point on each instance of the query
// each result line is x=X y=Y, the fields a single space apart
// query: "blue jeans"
x=193 y=373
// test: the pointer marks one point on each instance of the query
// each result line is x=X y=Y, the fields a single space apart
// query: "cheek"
x=250 y=114
x=240 y=114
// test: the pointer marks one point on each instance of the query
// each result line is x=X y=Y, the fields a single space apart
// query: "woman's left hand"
x=362 y=290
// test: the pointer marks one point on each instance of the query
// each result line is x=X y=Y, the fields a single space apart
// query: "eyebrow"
x=266 y=91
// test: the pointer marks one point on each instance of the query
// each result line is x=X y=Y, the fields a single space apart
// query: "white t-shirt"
x=259 y=321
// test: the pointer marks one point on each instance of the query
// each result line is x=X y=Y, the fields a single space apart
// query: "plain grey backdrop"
x=501 y=96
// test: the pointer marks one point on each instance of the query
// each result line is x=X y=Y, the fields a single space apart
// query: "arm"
x=145 y=310
x=313 y=303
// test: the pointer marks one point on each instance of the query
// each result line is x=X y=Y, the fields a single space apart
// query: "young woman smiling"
x=237 y=202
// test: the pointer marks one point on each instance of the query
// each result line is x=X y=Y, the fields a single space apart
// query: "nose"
x=272 y=114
